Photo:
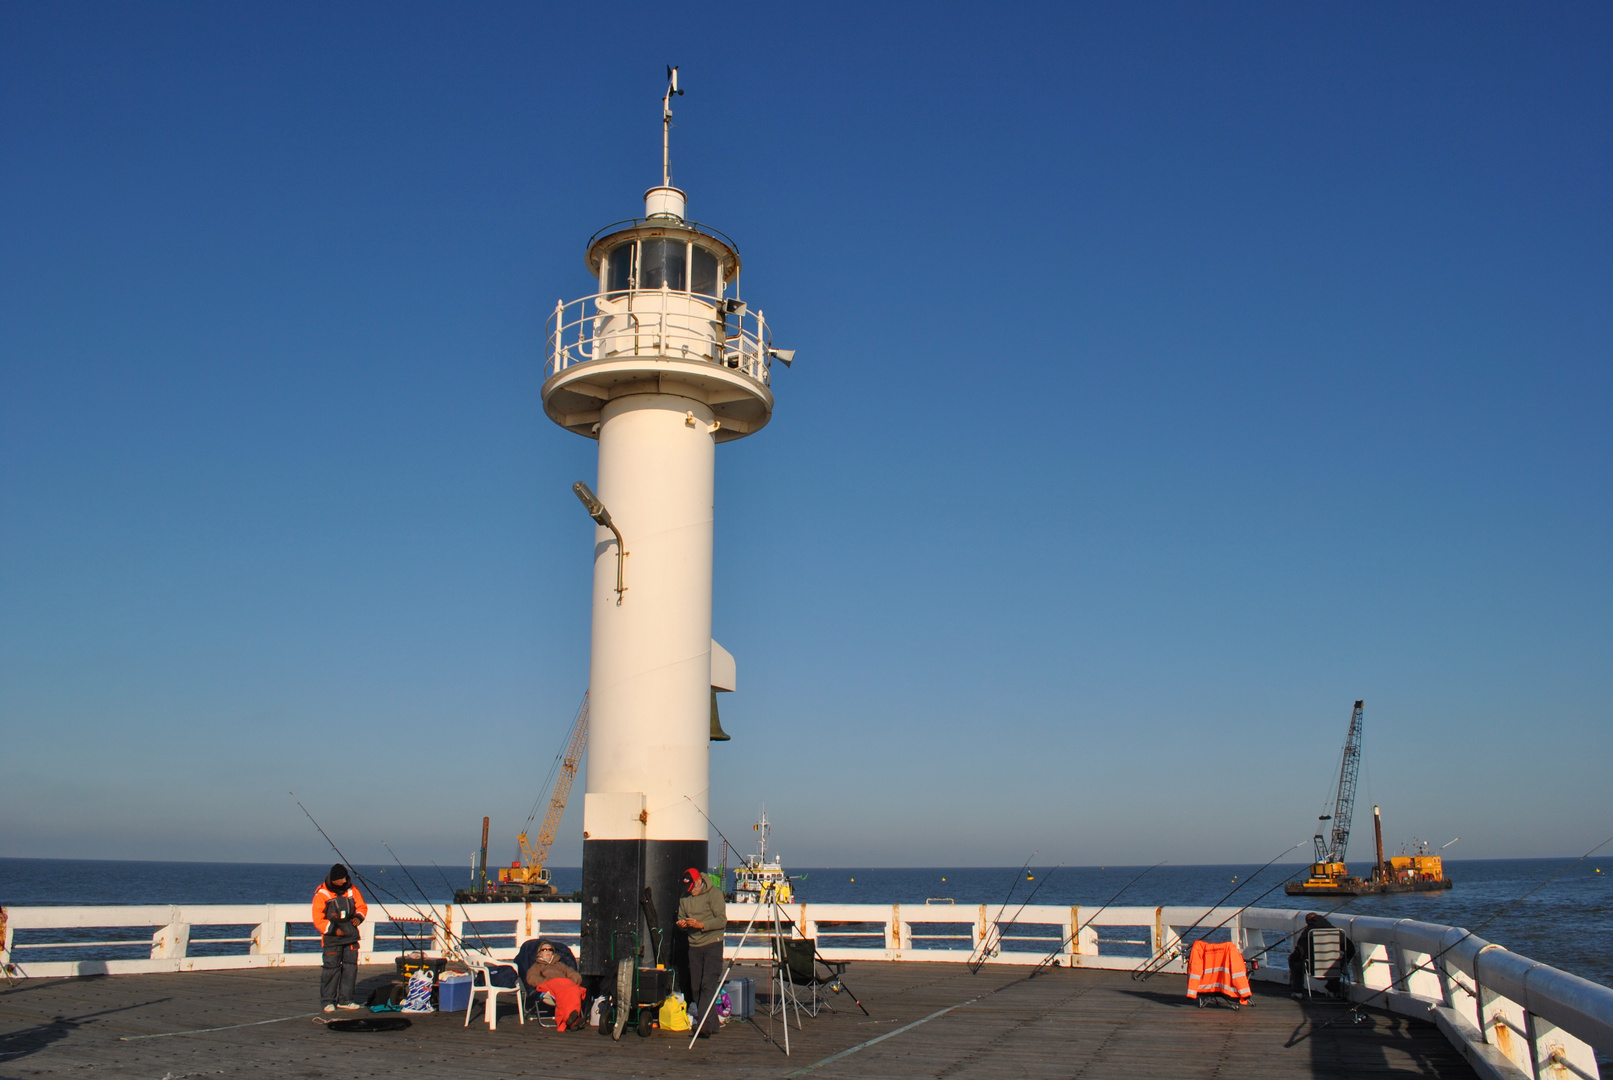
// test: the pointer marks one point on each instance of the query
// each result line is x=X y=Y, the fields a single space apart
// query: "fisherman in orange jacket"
x=339 y=908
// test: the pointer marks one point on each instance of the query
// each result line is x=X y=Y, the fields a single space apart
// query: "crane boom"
x=1344 y=801
x=529 y=878
x=539 y=855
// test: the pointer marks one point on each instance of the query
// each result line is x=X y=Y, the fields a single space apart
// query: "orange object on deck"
x=1217 y=968
x=568 y=999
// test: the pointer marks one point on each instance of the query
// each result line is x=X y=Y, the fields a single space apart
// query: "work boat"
x=756 y=879
x=1329 y=876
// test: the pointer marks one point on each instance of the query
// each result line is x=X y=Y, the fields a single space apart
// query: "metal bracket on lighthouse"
x=597 y=511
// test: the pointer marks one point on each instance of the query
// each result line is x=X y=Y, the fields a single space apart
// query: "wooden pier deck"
x=1090 y=1024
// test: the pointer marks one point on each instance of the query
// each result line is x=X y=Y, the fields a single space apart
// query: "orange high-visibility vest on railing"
x=1217 y=968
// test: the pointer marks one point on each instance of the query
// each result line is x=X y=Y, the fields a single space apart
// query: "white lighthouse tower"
x=660 y=364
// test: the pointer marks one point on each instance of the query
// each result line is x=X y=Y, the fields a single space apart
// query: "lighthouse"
x=660 y=364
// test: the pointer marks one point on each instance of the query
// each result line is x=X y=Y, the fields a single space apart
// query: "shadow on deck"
x=1092 y=1024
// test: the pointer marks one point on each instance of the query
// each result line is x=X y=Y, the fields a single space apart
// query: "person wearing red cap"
x=703 y=915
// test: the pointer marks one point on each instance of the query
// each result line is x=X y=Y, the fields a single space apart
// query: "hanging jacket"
x=1217 y=968
x=336 y=915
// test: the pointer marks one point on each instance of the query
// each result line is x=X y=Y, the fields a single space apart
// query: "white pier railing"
x=1511 y=1016
x=162 y=938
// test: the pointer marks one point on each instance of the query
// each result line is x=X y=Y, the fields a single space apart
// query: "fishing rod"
x=1076 y=935
x=1206 y=935
x=1034 y=891
x=975 y=966
x=402 y=933
x=1435 y=958
x=429 y=905
x=982 y=947
x=374 y=887
x=1292 y=933
x=323 y=833
x=1156 y=963
x=713 y=824
x=468 y=920
x=728 y=845
x=452 y=941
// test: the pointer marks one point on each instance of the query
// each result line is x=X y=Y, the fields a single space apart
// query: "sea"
x=1557 y=911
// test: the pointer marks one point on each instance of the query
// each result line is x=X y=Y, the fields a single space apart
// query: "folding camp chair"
x=800 y=963
x=541 y=1005
x=1325 y=958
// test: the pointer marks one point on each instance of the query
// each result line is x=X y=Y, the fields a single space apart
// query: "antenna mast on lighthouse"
x=672 y=91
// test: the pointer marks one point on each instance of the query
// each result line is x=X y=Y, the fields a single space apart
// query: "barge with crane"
x=1329 y=875
x=527 y=878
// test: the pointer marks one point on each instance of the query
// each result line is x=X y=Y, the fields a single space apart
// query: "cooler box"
x=453 y=995
x=741 y=998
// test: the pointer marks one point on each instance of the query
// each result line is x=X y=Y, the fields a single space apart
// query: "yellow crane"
x=529 y=878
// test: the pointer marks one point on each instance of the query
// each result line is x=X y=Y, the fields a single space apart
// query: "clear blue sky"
x=1169 y=377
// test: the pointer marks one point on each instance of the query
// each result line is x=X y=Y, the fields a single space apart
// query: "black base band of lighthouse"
x=615 y=874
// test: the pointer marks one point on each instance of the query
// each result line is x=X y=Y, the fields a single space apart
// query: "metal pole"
x=481 y=868
x=558 y=338
x=1377 y=830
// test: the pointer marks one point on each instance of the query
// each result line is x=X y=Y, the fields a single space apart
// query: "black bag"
x=391 y=994
x=370 y=1023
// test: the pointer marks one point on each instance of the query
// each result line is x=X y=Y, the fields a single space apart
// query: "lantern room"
x=663 y=311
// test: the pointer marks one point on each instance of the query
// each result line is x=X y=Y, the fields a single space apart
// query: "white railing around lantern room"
x=662 y=324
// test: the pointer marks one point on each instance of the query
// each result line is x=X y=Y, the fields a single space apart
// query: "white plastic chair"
x=481 y=968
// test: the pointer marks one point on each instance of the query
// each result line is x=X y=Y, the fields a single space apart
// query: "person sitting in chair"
x=1300 y=955
x=548 y=975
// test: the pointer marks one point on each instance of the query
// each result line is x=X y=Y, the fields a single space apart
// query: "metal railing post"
x=557 y=342
x=760 y=360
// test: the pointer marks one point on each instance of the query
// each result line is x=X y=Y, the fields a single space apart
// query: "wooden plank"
x=1090 y=1024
